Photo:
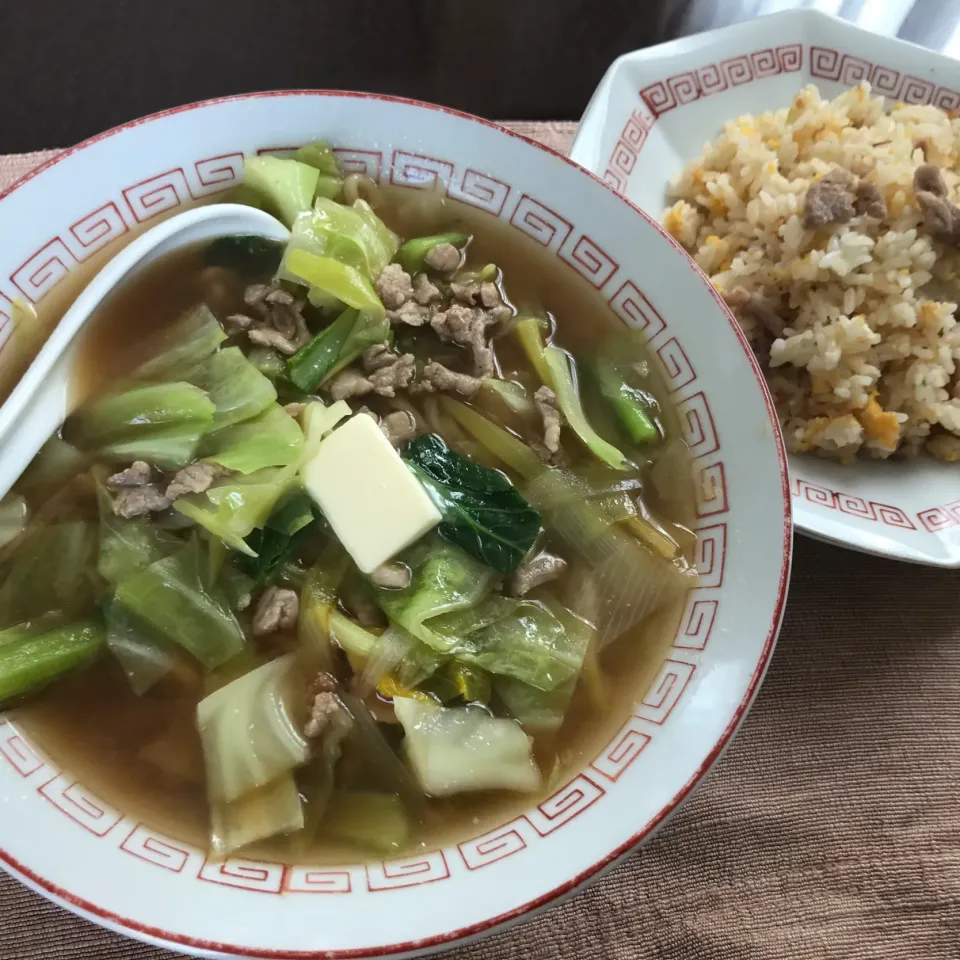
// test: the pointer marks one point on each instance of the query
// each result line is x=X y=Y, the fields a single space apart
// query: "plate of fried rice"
x=812 y=171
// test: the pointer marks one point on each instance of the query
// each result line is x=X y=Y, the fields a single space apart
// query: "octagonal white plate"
x=653 y=112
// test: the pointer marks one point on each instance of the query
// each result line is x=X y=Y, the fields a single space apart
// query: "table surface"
x=830 y=829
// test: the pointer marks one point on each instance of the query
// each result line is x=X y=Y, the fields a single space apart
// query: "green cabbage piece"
x=248 y=731
x=169 y=448
x=192 y=338
x=355 y=236
x=131 y=413
x=533 y=641
x=270 y=439
x=170 y=597
x=127 y=546
x=319 y=154
x=461 y=749
x=374 y=821
x=50 y=571
x=286 y=186
x=236 y=388
x=267 y=811
x=143 y=658
x=444 y=579
x=233 y=509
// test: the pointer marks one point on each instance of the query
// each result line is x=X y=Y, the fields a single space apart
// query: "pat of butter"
x=374 y=504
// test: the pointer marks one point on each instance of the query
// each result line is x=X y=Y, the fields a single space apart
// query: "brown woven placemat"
x=831 y=829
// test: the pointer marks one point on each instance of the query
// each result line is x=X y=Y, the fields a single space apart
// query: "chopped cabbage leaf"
x=533 y=641
x=375 y=821
x=271 y=810
x=460 y=749
x=233 y=509
x=286 y=186
x=170 y=597
x=169 y=448
x=444 y=578
x=537 y=711
x=131 y=413
x=236 y=387
x=320 y=154
x=248 y=731
x=143 y=658
x=50 y=571
x=192 y=338
x=270 y=439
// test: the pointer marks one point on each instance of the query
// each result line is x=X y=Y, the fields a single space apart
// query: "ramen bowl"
x=81 y=846
x=653 y=112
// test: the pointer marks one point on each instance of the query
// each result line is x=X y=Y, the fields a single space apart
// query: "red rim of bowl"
x=179 y=941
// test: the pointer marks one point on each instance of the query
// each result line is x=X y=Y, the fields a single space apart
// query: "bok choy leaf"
x=482 y=511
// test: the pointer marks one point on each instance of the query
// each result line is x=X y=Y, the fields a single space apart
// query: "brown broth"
x=142 y=754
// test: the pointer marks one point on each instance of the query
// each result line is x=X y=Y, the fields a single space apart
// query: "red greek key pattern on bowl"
x=94 y=231
x=481 y=190
x=410 y=872
x=414 y=170
x=249 y=875
x=711 y=554
x=589 y=260
x=663 y=96
x=44 y=270
x=628 y=743
x=634 y=309
x=696 y=623
x=158 y=194
x=18 y=753
x=665 y=691
x=80 y=805
x=219 y=173
x=851 y=505
x=696 y=422
x=676 y=365
x=567 y=803
x=936 y=519
x=538 y=221
x=710 y=484
x=498 y=844
x=829 y=64
x=317 y=880
x=158 y=850
x=368 y=162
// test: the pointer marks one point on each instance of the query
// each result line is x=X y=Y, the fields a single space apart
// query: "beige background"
x=831 y=828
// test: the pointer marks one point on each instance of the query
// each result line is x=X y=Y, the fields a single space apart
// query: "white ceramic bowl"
x=88 y=854
x=653 y=112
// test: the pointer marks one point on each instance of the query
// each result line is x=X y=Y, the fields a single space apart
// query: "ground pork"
x=537 y=571
x=393 y=286
x=197 y=478
x=546 y=401
x=437 y=378
x=277 y=609
x=444 y=258
x=399 y=428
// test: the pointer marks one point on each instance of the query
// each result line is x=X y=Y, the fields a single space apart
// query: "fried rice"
x=833 y=239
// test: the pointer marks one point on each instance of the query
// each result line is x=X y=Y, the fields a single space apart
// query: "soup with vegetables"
x=353 y=544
